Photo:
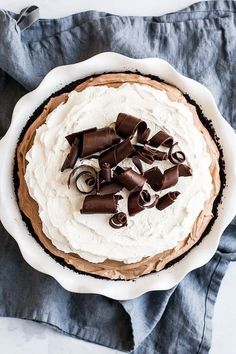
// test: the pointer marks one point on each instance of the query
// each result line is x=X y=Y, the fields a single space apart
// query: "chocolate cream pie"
x=118 y=177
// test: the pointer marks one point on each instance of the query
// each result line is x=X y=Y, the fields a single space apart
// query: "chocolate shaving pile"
x=102 y=186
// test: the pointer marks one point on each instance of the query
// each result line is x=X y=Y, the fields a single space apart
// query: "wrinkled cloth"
x=200 y=42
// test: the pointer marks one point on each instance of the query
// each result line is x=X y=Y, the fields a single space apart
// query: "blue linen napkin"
x=200 y=42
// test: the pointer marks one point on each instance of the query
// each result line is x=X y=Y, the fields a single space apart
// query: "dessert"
x=119 y=176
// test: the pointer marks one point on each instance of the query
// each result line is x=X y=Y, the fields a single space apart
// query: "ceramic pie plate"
x=10 y=213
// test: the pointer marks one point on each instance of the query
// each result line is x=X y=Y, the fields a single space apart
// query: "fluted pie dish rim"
x=33 y=252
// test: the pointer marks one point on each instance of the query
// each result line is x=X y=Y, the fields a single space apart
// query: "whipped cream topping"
x=90 y=236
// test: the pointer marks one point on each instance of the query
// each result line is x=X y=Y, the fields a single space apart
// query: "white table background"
x=27 y=337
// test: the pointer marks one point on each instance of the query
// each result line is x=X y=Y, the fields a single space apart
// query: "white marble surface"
x=26 y=337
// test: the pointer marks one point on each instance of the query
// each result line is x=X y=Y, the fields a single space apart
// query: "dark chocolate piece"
x=139 y=200
x=116 y=153
x=177 y=156
x=160 y=155
x=94 y=140
x=72 y=157
x=100 y=204
x=135 y=205
x=127 y=125
x=154 y=178
x=184 y=171
x=170 y=177
x=142 y=137
x=111 y=187
x=118 y=220
x=131 y=180
x=167 y=200
x=161 y=138
x=70 y=138
x=106 y=171
x=138 y=164
x=145 y=153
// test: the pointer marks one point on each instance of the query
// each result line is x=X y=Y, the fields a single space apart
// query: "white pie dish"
x=10 y=213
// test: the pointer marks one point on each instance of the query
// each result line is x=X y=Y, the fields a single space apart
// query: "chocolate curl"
x=161 y=138
x=94 y=140
x=138 y=164
x=116 y=153
x=85 y=183
x=85 y=178
x=145 y=153
x=139 y=200
x=127 y=125
x=170 y=177
x=154 y=178
x=118 y=220
x=112 y=187
x=131 y=180
x=167 y=200
x=160 y=155
x=176 y=157
x=72 y=157
x=70 y=138
x=100 y=204
x=106 y=171
x=184 y=171
x=135 y=205
x=145 y=199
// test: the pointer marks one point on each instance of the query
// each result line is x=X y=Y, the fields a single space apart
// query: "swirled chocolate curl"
x=139 y=200
x=161 y=138
x=72 y=157
x=154 y=178
x=167 y=200
x=106 y=171
x=170 y=177
x=100 y=204
x=116 y=153
x=145 y=199
x=84 y=177
x=177 y=156
x=131 y=180
x=111 y=187
x=184 y=171
x=85 y=183
x=94 y=140
x=138 y=164
x=118 y=220
x=127 y=125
